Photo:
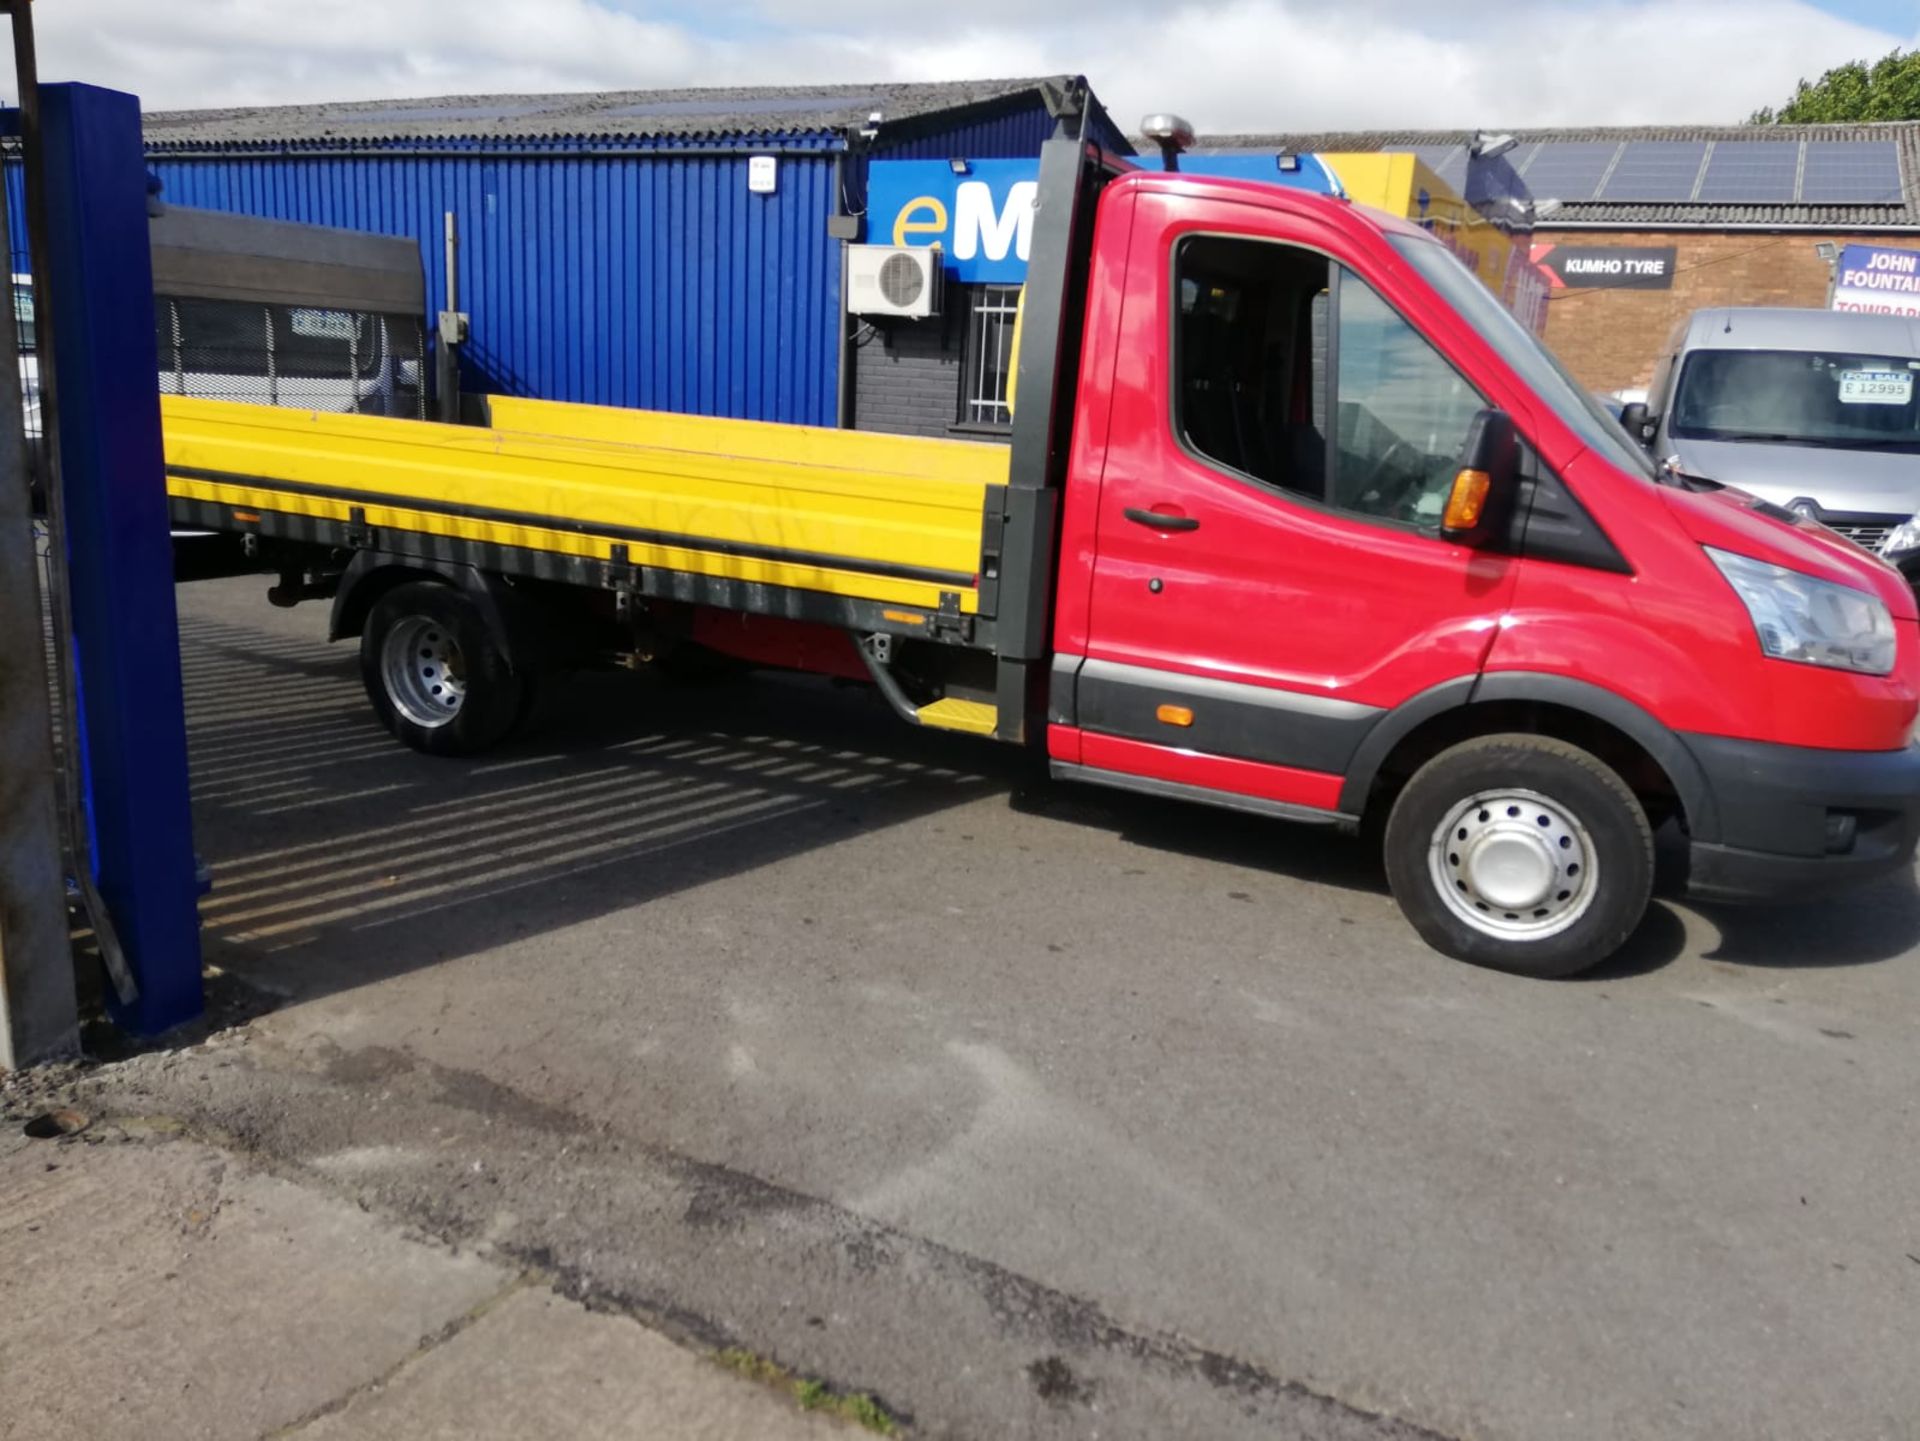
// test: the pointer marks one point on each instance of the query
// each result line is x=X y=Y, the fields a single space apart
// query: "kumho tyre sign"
x=1607 y=267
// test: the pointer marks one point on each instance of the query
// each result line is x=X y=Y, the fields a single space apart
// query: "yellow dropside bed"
x=891 y=519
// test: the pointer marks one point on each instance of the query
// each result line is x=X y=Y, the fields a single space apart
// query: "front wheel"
x=435 y=676
x=1520 y=853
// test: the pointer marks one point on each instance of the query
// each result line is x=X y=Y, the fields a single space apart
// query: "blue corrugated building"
x=611 y=250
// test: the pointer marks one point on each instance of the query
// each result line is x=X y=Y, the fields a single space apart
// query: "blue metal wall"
x=634 y=272
x=652 y=280
x=1013 y=135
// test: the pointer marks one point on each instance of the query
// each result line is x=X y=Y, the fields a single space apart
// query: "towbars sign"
x=982 y=220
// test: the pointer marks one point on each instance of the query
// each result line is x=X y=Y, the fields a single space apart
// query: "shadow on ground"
x=338 y=856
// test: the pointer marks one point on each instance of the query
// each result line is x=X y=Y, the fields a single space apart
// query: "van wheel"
x=435 y=676
x=1520 y=853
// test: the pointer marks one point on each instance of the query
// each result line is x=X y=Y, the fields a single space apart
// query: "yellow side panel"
x=906 y=455
x=1382 y=179
x=809 y=520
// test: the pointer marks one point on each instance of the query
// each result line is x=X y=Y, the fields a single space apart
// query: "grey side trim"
x=1249 y=722
x=1331 y=707
x=1174 y=790
x=1063 y=698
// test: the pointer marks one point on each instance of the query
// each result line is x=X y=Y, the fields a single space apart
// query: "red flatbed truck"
x=1296 y=519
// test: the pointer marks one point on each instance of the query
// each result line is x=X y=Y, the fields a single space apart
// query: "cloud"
x=1246 y=65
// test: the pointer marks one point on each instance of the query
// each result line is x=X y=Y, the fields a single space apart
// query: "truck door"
x=1268 y=575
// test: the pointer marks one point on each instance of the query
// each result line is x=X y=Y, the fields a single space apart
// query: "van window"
x=1799 y=397
x=1271 y=340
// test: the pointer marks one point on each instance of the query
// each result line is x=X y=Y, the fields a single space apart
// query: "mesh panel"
x=295 y=356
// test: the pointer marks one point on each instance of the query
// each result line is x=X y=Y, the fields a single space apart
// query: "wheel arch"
x=373 y=574
x=1651 y=758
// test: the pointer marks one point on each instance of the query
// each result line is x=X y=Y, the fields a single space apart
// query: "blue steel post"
x=97 y=276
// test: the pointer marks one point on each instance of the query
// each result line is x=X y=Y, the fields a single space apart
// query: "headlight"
x=1812 y=621
x=1903 y=539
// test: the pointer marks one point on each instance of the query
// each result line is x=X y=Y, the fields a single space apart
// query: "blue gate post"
x=98 y=279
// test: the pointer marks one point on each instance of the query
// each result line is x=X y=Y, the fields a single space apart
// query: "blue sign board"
x=980 y=212
x=1877 y=279
x=981 y=220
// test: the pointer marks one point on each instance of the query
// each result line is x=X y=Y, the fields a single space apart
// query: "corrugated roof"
x=789 y=110
x=1895 y=211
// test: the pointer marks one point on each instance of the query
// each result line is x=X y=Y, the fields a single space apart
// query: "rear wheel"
x=1520 y=853
x=435 y=676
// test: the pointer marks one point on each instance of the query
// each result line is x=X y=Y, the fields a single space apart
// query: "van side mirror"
x=1483 y=488
x=1638 y=421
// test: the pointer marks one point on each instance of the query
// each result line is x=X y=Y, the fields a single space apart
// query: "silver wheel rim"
x=424 y=671
x=1514 y=865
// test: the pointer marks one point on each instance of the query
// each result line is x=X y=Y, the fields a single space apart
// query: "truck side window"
x=1250 y=351
x=1258 y=328
x=1402 y=413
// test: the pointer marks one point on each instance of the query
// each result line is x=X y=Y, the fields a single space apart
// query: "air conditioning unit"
x=894 y=280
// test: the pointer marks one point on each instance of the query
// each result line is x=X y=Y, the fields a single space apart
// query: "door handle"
x=1160 y=520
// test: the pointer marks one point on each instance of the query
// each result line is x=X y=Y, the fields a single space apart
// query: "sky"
x=1235 y=66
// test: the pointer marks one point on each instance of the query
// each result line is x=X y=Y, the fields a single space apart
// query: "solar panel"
x=1751 y=172
x=1571 y=170
x=1449 y=162
x=1655 y=170
x=1857 y=172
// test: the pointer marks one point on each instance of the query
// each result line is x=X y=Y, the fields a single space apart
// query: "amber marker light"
x=1467 y=501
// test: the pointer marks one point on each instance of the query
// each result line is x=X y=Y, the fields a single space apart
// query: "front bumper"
x=1794 y=821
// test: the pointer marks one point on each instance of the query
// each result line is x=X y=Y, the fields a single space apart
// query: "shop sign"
x=1877 y=280
x=1607 y=267
x=982 y=219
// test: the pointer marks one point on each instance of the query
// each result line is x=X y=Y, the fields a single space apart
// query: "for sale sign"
x=1606 y=267
x=1878 y=280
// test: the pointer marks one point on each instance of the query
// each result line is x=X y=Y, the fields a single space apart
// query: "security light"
x=1827 y=251
x=960 y=166
x=1491 y=147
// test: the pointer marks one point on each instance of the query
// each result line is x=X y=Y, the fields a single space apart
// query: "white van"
x=1741 y=396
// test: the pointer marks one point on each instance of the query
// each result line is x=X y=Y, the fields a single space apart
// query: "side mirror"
x=1483 y=488
x=1638 y=421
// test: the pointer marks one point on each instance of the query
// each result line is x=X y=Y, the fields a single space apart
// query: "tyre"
x=435 y=676
x=1520 y=853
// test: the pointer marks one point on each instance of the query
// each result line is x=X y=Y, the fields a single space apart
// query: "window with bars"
x=987 y=360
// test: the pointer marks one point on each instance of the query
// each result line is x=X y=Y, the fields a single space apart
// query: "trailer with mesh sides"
x=272 y=313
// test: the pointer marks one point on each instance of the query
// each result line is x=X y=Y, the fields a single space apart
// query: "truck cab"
x=1264 y=595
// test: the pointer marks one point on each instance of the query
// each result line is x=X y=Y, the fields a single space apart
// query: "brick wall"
x=1611 y=338
x=906 y=373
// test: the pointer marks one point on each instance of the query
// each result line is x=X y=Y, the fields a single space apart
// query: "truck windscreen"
x=1538 y=366
x=1799 y=397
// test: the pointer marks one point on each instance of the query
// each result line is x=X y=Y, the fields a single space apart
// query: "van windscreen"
x=1799 y=397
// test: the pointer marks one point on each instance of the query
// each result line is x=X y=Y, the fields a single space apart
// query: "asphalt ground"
x=1037 y=1110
